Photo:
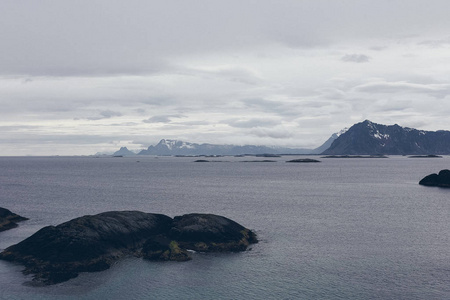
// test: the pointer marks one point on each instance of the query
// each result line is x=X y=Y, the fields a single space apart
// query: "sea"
x=342 y=228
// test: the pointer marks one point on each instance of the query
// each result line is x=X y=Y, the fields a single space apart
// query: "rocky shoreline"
x=93 y=243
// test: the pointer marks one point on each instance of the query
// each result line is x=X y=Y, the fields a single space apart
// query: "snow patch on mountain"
x=381 y=136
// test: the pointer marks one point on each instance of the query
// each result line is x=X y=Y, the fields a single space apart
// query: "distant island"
x=365 y=138
x=167 y=147
x=355 y=156
x=425 y=156
x=93 y=243
x=303 y=160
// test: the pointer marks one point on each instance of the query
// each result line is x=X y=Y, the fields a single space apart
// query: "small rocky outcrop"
x=303 y=160
x=92 y=243
x=8 y=219
x=425 y=156
x=442 y=179
x=355 y=156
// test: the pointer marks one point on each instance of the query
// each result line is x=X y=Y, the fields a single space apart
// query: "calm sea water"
x=339 y=229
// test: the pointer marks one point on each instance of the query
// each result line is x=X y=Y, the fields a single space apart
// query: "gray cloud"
x=356 y=58
x=251 y=123
x=279 y=108
x=162 y=118
x=223 y=72
x=276 y=133
x=378 y=48
x=106 y=114
x=436 y=43
x=142 y=38
x=434 y=90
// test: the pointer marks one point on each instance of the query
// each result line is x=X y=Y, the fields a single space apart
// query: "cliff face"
x=367 y=138
x=92 y=243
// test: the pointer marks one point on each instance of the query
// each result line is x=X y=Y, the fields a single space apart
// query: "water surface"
x=339 y=229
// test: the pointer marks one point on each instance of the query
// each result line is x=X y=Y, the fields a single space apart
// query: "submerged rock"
x=8 y=219
x=92 y=243
x=442 y=179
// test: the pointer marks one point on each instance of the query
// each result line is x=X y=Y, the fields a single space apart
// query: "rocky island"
x=93 y=243
x=8 y=219
x=303 y=160
x=442 y=179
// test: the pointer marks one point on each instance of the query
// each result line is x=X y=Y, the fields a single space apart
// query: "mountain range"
x=365 y=138
x=368 y=138
x=176 y=147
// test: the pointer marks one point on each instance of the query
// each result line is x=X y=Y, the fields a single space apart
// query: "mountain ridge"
x=369 y=138
x=364 y=138
x=177 y=147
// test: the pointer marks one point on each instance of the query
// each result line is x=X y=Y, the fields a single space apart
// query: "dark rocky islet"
x=303 y=160
x=8 y=219
x=93 y=243
x=425 y=156
x=258 y=161
x=355 y=156
x=442 y=179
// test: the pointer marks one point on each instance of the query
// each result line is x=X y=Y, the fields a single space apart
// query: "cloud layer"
x=79 y=77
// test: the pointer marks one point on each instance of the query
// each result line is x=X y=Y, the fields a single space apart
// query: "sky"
x=87 y=76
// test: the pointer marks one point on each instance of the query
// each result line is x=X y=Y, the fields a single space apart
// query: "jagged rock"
x=8 y=219
x=92 y=243
x=442 y=179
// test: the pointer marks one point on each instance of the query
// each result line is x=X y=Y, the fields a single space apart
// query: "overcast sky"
x=80 y=77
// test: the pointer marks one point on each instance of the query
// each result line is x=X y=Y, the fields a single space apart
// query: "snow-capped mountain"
x=329 y=142
x=368 y=138
x=176 y=147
